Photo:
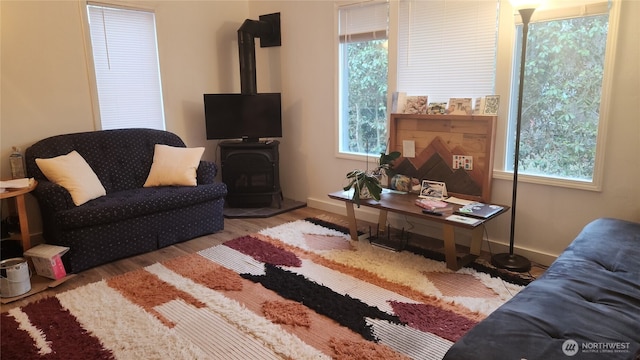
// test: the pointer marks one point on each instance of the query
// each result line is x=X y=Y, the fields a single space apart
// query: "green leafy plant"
x=365 y=181
x=385 y=163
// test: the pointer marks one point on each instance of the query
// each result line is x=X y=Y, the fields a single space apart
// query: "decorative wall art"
x=437 y=139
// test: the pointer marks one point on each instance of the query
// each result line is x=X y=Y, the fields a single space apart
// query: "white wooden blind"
x=447 y=48
x=363 y=22
x=125 y=56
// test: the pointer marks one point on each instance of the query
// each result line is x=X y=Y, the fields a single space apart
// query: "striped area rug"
x=296 y=291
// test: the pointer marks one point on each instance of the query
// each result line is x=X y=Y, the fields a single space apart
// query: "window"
x=562 y=96
x=446 y=48
x=363 y=78
x=127 y=70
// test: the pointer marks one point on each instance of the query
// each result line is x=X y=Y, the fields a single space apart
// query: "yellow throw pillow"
x=174 y=166
x=72 y=172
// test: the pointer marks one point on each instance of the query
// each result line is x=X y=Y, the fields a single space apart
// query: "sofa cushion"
x=121 y=158
x=133 y=203
x=174 y=166
x=73 y=173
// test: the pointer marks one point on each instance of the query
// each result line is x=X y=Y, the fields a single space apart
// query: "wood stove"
x=251 y=171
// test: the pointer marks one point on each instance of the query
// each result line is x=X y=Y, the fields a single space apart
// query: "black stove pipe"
x=268 y=30
x=247 y=51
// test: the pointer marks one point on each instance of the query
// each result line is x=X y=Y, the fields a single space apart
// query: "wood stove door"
x=250 y=171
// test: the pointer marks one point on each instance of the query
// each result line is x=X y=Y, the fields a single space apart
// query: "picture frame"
x=460 y=106
x=487 y=105
x=416 y=105
x=491 y=105
x=437 y=108
x=434 y=190
x=398 y=102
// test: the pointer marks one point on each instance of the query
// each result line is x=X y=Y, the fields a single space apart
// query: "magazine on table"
x=431 y=204
x=479 y=210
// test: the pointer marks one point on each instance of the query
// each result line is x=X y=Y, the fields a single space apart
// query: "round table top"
x=9 y=193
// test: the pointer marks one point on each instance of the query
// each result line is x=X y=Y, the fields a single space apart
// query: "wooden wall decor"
x=437 y=139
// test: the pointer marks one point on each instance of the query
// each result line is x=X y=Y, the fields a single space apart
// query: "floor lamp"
x=511 y=261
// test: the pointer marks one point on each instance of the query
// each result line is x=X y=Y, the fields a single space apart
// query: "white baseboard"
x=426 y=228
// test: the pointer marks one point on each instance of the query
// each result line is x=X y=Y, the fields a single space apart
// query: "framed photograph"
x=487 y=105
x=416 y=105
x=434 y=190
x=398 y=102
x=437 y=108
x=478 y=108
x=460 y=106
x=491 y=105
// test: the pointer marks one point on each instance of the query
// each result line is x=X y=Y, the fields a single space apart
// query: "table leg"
x=24 y=222
x=351 y=216
x=450 y=247
x=476 y=240
x=382 y=221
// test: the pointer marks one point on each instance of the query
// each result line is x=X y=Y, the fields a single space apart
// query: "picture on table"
x=436 y=190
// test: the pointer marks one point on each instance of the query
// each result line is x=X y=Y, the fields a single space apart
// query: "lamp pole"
x=511 y=261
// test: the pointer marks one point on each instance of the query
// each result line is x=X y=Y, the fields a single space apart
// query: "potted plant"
x=365 y=183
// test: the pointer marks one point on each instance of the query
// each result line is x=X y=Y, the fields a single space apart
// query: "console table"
x=405 y=204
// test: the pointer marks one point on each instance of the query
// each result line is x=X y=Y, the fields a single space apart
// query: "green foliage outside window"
x=367 y=101
x=561 y=101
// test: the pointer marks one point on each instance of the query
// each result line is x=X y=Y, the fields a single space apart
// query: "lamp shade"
x=525 y=4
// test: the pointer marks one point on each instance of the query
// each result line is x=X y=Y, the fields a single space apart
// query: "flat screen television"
x=243 y=116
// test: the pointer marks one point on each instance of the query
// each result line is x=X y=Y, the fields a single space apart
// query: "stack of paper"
x=16 y=183
x=455 y=200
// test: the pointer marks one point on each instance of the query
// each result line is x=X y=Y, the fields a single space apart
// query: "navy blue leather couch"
x=130 y=219
x=585 y=306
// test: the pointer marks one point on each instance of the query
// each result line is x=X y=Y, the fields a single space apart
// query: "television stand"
x=250 y=140
x=251 y=171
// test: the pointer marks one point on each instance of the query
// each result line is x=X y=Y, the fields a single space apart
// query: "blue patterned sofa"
x=130 y=219
x=585 y=306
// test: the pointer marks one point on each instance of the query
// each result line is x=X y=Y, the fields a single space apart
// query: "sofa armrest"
x=53 y=196
x=206 y=172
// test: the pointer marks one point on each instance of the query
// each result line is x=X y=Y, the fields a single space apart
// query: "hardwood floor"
x=233 y=229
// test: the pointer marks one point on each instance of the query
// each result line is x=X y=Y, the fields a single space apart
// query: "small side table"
x=18 y=195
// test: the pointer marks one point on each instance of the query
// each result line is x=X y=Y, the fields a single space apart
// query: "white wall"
x=45 y=90
x=306 y=65
x=45 y=76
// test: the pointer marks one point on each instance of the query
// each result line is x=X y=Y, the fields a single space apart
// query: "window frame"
x=393 y=60
x=500 y=170
x=504 y=62
x=90 y=61
x=339 y=49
